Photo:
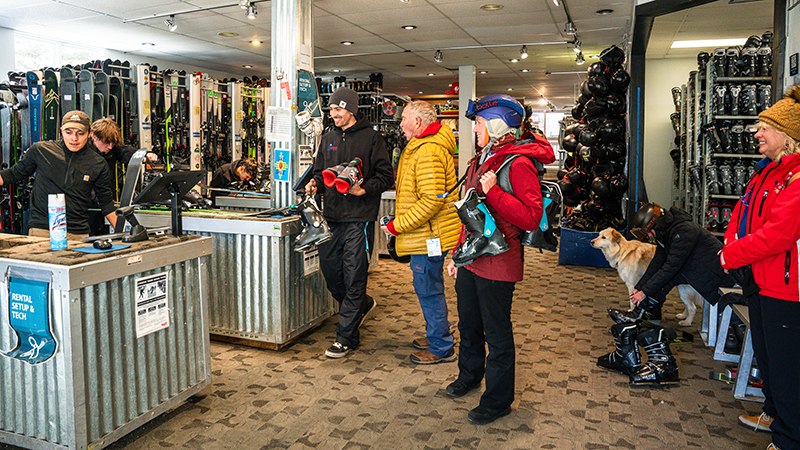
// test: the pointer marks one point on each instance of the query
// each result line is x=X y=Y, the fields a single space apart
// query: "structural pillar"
x=292 y=47
x=466 y=140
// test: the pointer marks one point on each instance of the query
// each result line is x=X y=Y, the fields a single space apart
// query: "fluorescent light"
x=346 y=42
x=708 y=43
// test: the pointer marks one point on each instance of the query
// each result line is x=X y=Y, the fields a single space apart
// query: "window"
x=32 y=53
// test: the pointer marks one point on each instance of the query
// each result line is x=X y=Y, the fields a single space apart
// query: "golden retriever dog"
x=631 y=259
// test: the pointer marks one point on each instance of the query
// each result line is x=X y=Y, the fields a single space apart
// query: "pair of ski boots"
x=315 y=228
x=343 y=176
x=660 y=368
x=483 y=237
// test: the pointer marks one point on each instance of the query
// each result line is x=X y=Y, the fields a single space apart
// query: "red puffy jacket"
x=511 y=212
x=765 y=229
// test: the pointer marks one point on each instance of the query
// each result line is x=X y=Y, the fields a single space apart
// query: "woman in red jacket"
x=764 y=233
x=485 y=287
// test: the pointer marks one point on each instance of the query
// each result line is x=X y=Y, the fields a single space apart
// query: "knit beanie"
x=785 y=114
x=345 y=98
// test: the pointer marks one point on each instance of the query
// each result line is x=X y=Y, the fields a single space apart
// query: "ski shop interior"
x=235 y=357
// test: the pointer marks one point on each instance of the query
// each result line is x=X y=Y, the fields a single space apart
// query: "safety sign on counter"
x=310 y=262
x=152 y=307
x=29 y=315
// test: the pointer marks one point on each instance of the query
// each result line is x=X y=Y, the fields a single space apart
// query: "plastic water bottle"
x=57 y=212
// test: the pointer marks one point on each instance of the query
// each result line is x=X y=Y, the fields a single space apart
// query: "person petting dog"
x=764 y=233
x=685 y=253
x=485 y=287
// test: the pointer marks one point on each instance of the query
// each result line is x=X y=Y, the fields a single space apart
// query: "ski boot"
x=737 y=141
x=749 y=61
x=736 y=91
x=725 y=179
x=702 y=60
x=625 y=358
x=661 y=367
x=718 y=99
x=725 y=212
x=350 y=176
x=329 y=175
x=712 y=138
x=731 y=60
x=718 y=58
x=483 y=238
x=712 y=180
x=676 y=98
x=712 y=217
x=644 y=311
x=694 y=175
x=675 y=118
x=739 y=178
x=764 y=64
x=724 y=133
x=763 y=97
x=315 y=228
x=748 y=101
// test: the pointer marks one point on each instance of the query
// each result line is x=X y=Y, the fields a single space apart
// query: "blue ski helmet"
x=497 y=106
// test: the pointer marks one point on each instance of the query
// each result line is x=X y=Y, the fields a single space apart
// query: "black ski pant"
x=775 y=328
x=344 y=261
x=484 y=318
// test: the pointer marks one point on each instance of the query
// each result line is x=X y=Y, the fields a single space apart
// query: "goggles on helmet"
x=476 y=106
x=642 y=233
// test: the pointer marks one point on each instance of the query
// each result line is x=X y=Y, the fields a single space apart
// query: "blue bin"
x=576 y=249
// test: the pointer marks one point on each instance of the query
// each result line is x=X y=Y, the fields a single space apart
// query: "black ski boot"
x=644 y=311
x=315 y=228
x=483 y=238
x=660 y=367
x=765 y=55
x=626 y=358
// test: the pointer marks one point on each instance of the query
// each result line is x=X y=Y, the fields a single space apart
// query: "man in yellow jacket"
x=426 y=228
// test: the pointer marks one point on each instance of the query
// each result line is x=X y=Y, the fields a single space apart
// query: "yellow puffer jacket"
x=425 y=171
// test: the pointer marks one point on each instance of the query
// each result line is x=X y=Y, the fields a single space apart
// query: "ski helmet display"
x=595 y=107
x=610 y=130
x=619 y=80
x=600 y=187
x=615 y=150
x=587 y=137
x=612 y=55
x=598 y=85
x=585 y=88
x=615 y=103
x=569 y=144
x=618 y=184
x=597 y=68
x=577 y=111
x=601 y=170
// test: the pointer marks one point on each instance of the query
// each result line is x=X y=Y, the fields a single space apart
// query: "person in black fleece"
x=345 y=258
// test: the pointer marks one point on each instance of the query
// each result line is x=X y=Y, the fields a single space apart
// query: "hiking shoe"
x=458 y=389
x=426 y=357
x=757 y=423
x=372 y=304
x=337 y=350
x=421 y=344
x=483 y=415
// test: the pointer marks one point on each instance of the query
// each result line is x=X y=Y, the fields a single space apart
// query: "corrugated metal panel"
x=126 y=376
x=257 y=289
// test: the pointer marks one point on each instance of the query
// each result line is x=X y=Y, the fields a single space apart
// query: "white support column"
x=292 y=33
x=466 y=140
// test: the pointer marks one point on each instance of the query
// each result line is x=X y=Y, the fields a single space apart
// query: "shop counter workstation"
x=94 y=345
x=262 y=293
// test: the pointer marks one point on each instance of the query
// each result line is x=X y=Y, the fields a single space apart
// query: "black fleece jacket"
x=342 y=146
x=59 y=170
x=684 y=248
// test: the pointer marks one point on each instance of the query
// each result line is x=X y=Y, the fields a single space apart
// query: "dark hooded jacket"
x=342 y=146
x=522 y=210
x=686 y=251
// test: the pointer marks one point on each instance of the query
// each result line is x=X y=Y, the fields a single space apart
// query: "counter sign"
x=29 y=315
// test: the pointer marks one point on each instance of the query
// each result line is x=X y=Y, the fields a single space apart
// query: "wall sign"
x=29 y=315
x=793 y=64
x=307 y=96
x=283 y=159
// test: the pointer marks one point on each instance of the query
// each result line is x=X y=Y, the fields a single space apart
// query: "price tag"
x=434 y=247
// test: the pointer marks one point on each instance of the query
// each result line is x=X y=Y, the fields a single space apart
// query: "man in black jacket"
x=686 y=253
x=239 y=170
x=65 y=166
x=344 y=259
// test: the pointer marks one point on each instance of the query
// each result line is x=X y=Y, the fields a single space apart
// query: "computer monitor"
x=170 y=187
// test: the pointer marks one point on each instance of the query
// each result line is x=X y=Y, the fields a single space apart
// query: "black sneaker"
x=483 y=415
x=458 y=389
x=372 y=305
x=337 y=350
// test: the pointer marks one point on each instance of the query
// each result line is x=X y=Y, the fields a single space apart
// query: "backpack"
x=543 y=237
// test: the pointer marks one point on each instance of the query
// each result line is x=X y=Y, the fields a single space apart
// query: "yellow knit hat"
x=785 y=114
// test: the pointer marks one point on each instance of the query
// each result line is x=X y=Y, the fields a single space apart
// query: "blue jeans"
x=429 y=286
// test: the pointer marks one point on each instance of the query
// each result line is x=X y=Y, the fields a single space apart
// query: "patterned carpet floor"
x=377 y=399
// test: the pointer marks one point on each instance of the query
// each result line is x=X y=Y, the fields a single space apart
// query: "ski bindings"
x=483 y=237
x=349 y=176
x=625 y=358
x=315 y=228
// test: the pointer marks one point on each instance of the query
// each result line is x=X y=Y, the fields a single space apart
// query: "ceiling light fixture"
x=170 y=23
x=346 y=42
x=513 y=60
x=252 y=12
x=484 y=71
x=148 y=44
x=604 y=12
x=438 y=56
x=579 y=59
x=408 y=27
x=244 y=4
x=510 y=89
x=247 y=66
x=491 y=7
x=525 y=70
x=420 y=92
x=577 y=48
x=431 y=74
x=569 y=29
x=227 y=34
x=555 y=2
x=411 y=65
x=255 y=42
x=523 y=52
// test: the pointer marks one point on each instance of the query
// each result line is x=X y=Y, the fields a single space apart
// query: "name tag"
x=434 y=247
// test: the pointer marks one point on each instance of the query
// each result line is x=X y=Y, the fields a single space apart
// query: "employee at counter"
x=239 y=170
x=65 y=166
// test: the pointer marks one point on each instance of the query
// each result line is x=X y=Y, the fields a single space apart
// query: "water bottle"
x=57 y=212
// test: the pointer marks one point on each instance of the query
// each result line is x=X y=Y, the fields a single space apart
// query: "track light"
x=438 y=56
x=170 y=23
x=577 y=48
x=252 y=12
x=523 y=53
x=579 y=59
x=244 y=4
x=569 y=29
x=555 y=2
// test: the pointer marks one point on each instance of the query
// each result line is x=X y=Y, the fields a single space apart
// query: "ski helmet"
x=598 y=85
x=569 y=144
x=600 y=187
x=597 y=68
x=619 y=80
x=612 y=55
x=502 y=112
x=595 y=107
x=651 y=216
x=587 y=137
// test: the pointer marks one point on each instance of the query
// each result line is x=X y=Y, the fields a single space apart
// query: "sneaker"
x=426 y=357
x=458 y=389
x=421 y=344
x=337 y=350
x=372 y=306
x=757 y=423
x=483 y=415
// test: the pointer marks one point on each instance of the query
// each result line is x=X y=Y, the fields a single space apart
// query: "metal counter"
x=101 y=381
x=260 y=292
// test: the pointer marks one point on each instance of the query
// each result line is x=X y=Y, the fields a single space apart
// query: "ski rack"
x=235 y=89
x=193 y=84
x=142 y=81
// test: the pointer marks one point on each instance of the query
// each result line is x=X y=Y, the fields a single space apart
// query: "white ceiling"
x=375 y=27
